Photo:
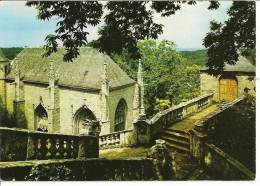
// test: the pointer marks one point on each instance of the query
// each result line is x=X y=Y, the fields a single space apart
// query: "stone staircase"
x=176 y=140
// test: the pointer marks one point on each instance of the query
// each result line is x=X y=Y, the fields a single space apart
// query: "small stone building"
x=90 y=94
x=236 y=81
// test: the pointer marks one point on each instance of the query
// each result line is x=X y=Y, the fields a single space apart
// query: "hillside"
x=198 y=57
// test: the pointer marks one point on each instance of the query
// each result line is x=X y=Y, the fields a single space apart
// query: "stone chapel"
x=90 y=94
x=237 y=80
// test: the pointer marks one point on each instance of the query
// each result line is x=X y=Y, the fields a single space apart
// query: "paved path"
x=187 y=123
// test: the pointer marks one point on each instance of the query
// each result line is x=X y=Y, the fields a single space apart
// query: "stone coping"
x=181 y=105
x=119 y=132
x=201 y=123
x=31 y=163
x=40 y=133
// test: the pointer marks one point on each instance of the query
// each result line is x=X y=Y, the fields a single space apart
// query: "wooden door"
x=228 y=89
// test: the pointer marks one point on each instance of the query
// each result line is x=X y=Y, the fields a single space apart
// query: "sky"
x=19 y=26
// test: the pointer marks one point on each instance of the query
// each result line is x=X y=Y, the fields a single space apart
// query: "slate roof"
x=2 y=56
x=242 y=65
x=84 y=72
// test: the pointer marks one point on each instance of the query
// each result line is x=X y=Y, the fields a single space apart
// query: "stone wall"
x=222 y=166
x=73 y=100
x=70 y=101
x=224 y=142
x=79 y=170
x=210 y=84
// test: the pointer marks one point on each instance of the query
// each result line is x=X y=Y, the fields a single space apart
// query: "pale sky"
x=187 y=28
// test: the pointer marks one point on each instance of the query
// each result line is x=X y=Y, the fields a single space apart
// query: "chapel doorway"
x=228 y=88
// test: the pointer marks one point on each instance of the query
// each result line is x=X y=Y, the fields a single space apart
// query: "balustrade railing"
x=19 y=145
x=169 y=116
x=115 y=139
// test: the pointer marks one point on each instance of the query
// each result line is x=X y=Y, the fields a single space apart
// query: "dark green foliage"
x=74 y=19
x=165 y=74
x=10 y=119
x=125 y=62
x=226 y=39
x=125 y=23
x=235 y=132
x=11 y=53
x=6 y=119
x=50 y=173
x=167 y=77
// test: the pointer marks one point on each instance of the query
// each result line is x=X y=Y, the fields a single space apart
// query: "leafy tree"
x=126 y=23
x=226 y=39
x=126 y=63
x=166 y=75
x=74 y=19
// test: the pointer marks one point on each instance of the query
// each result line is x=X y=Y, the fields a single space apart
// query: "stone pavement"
x=188 y=123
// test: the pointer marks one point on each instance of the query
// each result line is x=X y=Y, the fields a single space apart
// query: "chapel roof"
x=242 y=65
x=84 y=72
x=2 y=56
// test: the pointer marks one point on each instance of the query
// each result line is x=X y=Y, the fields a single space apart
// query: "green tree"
x=226 y=39
x=126 y=23
x=166 y=75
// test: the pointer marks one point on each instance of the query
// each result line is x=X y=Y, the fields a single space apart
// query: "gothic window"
x=120 y=116
x=85 y=122
x=41 y=119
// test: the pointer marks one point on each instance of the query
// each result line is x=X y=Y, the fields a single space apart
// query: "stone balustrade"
x=169 y=116
x=20 y=145
x=116 y=139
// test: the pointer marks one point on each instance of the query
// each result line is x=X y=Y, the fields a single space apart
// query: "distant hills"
x=198 y=57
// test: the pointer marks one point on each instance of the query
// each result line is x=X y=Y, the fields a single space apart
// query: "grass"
x=125 y=152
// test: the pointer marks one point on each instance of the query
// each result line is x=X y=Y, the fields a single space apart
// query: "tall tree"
x=225 y=40
x=166 y=74
x=130 y=20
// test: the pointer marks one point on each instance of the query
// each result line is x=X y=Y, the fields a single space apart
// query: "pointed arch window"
x=41 y=119
x=85 y=122
x=120 y=116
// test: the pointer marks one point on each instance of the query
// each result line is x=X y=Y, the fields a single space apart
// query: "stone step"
x=174 y=140
x=178 y=131
x=178 y=148
x=175 y=134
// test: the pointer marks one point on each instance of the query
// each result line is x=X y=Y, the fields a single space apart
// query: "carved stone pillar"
x=141 y=85
x=139 y=110
x=18 y=102
x=54 y=109
x=104 y=106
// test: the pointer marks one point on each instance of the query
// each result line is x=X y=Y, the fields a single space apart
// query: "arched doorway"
x=41 y=119
x=85 y=122
x=227 y=88
x=120 y=116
